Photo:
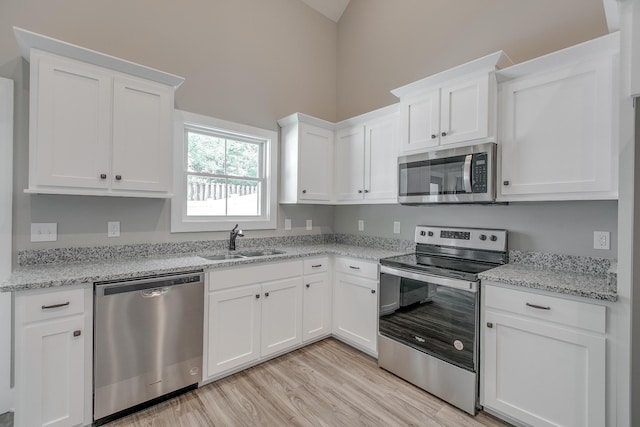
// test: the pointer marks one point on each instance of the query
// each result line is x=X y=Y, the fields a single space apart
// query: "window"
x=224 y=174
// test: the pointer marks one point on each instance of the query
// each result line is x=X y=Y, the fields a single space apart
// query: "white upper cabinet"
x=366 y=158
x=453 y=107
x=307 y=160
x=98 y=125
x=558 y=117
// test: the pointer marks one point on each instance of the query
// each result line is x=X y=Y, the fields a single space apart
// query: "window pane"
x=205 y=153
x=243 y=159
x=206 y=196
x=244 y=198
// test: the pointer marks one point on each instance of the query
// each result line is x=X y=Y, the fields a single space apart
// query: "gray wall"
x=556 y=227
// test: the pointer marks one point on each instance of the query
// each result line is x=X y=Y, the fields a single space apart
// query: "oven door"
x=458 y=175
x=432 y=314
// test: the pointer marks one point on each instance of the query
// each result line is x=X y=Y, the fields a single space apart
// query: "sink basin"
x=264 y=252
x=220 y=257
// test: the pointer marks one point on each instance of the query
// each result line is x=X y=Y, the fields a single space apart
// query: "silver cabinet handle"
x=150 y=293
x=539 y=307
x=47 y=307
x=354 y=268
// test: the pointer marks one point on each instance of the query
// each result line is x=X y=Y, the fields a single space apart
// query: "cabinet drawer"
x=357 y=267
x=577 y=314
x=316 y=265
x=253 y=273
x=49 y=305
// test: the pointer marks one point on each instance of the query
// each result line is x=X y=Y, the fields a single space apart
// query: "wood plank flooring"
x=325 y=384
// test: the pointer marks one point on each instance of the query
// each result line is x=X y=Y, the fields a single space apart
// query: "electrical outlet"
x=396 y=227
x=287 y=224
x=601 y=240
x=360 y=225
x=44 y=232
x=113 y=229
x=309 y=224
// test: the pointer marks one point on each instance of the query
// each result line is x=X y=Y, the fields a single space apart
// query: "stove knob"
x=493 y=237
x=483 y=237
x=422 y=233
x=431 y=234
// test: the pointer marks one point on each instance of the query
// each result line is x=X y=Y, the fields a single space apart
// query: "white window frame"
x=180 y=222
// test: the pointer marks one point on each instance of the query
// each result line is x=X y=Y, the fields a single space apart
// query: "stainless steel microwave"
x=453 y=175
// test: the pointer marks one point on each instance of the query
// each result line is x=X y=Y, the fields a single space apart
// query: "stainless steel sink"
x=264 y=252
x=220 y=257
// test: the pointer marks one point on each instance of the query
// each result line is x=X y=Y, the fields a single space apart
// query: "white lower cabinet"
x=53 y=359
x=543 y=362
x=355 y=315
x=281 y=315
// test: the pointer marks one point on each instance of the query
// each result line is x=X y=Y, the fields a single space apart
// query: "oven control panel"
x=472 y=238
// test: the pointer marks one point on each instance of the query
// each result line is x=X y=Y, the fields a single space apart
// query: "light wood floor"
x=325 y=384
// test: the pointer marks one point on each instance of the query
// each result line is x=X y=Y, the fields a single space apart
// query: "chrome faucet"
x=232 y=237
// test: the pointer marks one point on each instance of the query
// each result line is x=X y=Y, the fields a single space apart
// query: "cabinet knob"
x=373 y=291
x=360 y=191
x=304 y=191
x=266 y=294
x=103 y=176
x=77 y=333
x=505 y=182
x=118 y=177
x=257 y=296
x=366 y=191
x=308 y=285
x=489 y=325
x=443 y=134
x=434 y=136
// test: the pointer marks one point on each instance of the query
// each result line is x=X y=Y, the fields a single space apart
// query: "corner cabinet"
x=95 y=130
x=366 y=156
x=558 y=125
x=53 y=357
x=543 y=358
x=453 y=107
x=307 y=160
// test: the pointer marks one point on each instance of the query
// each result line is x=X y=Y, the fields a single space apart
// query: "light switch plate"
x=113 y=229
x=309 y=224
x=287 y=224
x=396 y=227
x=44 y=231
x=360 y=225
x=601 y=240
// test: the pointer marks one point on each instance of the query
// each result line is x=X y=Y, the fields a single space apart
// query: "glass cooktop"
x=440 y=266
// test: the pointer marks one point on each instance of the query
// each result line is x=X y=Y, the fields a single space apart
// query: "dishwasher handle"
x=148 y=287
x=151 y=293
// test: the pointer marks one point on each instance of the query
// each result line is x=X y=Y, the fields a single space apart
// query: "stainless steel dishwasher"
x=147 y=341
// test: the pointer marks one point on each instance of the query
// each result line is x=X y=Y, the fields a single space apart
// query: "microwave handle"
x=467 y=173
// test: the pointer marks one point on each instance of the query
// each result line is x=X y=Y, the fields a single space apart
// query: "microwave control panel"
x=479 y=173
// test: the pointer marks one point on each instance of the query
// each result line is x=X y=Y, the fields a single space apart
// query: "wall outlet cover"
x=113 y=229
x=602 y=240
x=287 y=224
x=309 y=224
x=44 y=231
x=360 y=225
x=396 y=227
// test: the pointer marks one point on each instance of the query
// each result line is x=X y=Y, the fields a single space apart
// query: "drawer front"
x=316 y=265
x=357 y=267
x=576 y=314
x=253 y=273
x=49 y=305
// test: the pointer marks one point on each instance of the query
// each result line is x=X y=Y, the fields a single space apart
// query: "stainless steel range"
x=428 y=329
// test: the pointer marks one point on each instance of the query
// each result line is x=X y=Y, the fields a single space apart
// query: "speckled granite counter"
x=593 y=278
x=60 y=274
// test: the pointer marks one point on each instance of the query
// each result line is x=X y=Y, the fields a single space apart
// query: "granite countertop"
x=578 y=276
x=60 y=274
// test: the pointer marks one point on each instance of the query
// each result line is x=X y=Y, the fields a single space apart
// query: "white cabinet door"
x=316 y=317
x=350 y=163
x=557 y=134
x=421 y=122
x=234 y=328
x=52 y=368
x=70 y=124
x=315 y=163
x=381 y=159
x=355 y=311
x=141 y=135
x=542 y=374
x=281 y=315
x=464 y=111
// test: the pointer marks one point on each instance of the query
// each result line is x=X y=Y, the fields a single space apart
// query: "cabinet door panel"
x=350 y=160
x=557 y=132
x=465 y=111
x=53 y=364
x=316 y=158
x=421 y=117
x=234 y=328
x=71 y=122
x=141 y=136
x=381 y=160
x=316 y=318
x=281 y=315
x=355 y=310
x=544 y=375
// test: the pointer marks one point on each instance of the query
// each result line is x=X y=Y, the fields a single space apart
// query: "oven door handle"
x=467 y=174
x=462 y=285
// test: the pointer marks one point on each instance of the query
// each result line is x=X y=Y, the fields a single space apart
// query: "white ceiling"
x=332 y=9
